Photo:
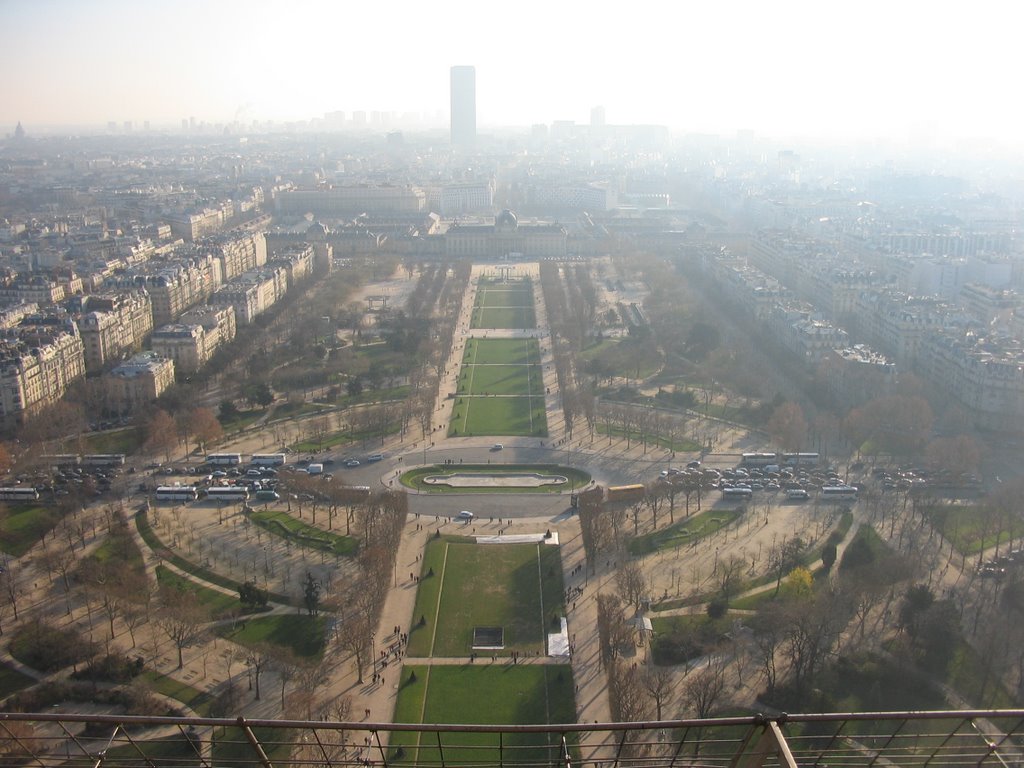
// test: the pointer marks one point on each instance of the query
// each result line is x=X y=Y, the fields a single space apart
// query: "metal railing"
x=949 y=738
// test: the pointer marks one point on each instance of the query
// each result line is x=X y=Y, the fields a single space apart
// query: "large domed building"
x=506 y=239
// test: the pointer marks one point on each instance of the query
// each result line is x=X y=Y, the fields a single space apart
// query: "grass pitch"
x=514 y=586
x=483 y=694
x=501 y=389
x=504 y=317
x=504 y=305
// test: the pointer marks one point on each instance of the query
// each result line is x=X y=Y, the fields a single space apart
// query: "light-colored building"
x=192 y=342
x=37 y=364
x=138 y=382
x=113 y=326
x=506 y=239
x=985 y=375
x=297 y=259
x=253 y=293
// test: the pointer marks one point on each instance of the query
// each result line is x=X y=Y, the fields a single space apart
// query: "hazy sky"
x=870 y=68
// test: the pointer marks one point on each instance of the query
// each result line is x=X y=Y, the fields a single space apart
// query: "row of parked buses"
x=257 y=459
x=233 y=493
x=780 y=459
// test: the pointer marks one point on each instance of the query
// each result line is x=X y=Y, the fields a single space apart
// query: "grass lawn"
x=154 y=543
x=504 y=317
x=12 y=681
x=504 y=295
x=414 y=478
x=501 y=352
x=972 y=528
x=286 y=526
x=126 y=441
x=198 y=700
x=23 y=525
x=527 y=694
x=217 y=604
x=345 y=436
x=684 y=532
x=499 y=416
x=303 y=635
x=501 y=380
x=486 y=585
x=680 y=444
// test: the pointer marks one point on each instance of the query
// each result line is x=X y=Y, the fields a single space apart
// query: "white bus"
x=224 y=459
x=228 y=492
x=839 y=492
x=737 y=493
x=268 y=459
x=176 y=493
x=801 y=459
x=103 y=460
x=62 y=460
x=19 y=494
x=758 y=459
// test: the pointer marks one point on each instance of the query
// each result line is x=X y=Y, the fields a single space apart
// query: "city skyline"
x=787 y=69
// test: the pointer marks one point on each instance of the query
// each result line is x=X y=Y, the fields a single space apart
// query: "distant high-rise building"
x=19 y=132
x=597 y=116
x=463 y=96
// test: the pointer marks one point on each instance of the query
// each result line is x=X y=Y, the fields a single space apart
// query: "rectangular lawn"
x=499 y=416
x=504 y=317
x=501 y=351
x=484 y=694
x=509 y=295
x=492 y=585
x=501 y=380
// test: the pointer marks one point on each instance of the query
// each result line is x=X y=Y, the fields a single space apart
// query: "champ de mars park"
x=454 y=575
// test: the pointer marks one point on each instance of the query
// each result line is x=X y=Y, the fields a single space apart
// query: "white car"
x=497 y=447
x=465 y=515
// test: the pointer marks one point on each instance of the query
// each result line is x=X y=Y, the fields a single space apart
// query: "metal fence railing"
x=949 y=738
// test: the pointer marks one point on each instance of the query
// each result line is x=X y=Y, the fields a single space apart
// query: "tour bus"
x=737 y=493
x=26 y=493
x=633 y=492
x=801 y=459
x=62 y=460
x=224 y=459
x=758 y=459
x=839 y=492
x=228 y=492
x=176 y=493
x=103 y=460
x=268 y=459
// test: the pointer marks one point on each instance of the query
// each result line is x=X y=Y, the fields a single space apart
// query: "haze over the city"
x=907 y=70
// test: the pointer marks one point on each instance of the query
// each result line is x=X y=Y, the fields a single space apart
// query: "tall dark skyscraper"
x=463 y=83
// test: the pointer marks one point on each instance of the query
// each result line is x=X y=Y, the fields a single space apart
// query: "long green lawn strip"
x=684 y=532
x=217 y=604
x=204 y=574
x=425 y=614
x=283 y=524
x=193 y=698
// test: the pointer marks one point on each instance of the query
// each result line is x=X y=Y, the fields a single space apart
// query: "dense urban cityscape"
x=376 y=438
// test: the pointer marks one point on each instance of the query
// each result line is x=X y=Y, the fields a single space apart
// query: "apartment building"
x=191 y=342
x=253 y=293
x=37 y=364
x=137 y=382
x=113 y=325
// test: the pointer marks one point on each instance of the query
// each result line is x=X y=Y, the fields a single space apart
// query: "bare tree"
x=657 y=681
x=632 y=586
x=181 y=619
